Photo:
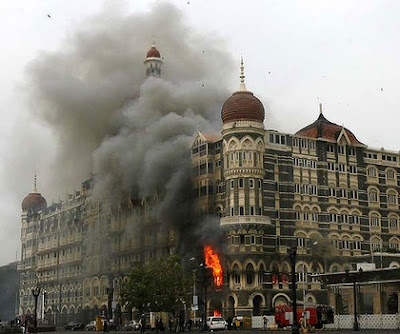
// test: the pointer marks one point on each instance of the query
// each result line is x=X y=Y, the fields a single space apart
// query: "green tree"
x=161 y=285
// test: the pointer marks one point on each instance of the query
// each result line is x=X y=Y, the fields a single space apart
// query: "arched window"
x=390 y=174
x=393 y=222
x=376 y=244
x=373 y=195
x=374 y=220
x=392 y=197
x=394 y=244
x=261 y=274
x=236 y=274
x=249 y=274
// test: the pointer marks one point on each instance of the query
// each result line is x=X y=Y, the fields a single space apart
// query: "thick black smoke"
x=133 y=132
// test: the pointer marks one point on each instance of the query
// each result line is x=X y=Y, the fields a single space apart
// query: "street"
x=255 y=331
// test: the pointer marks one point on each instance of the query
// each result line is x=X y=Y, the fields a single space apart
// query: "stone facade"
x=319 y=189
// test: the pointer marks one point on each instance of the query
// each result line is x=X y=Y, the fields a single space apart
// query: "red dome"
x=242 y=106
x=153 y=53
x=322 y=128
x=34 y=201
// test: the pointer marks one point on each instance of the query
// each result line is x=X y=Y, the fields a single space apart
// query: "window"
x=352 y=169
x=232 y=184
x=236 y=275
x=394 y=244
x=332 y=192
x=277 y=139
x=298 y=215
x=342 y=168
x=390 y=174
x=352 y=151
x=355 y=220
x=393 y=222
x=345 y=218
x=373 y=196
x=331 y=166
x=241 y=183
x=341 y=149
x=371 y=155
x=371 y=171
x=259 y=184
x=392 y=198
x=346 y=244
x=303 y=143
x=251 y=183
x=333 y=217
x=295 y=142
x=343 y=193
x=375 y=221
x=297 y=188
x=301 y=242
x=330 y=148
x=252 y=210
x=312 y=145
x=357 y=245
x=376 y=245
x=232 y=212
x=241 y=210
x=314 y=217
x=353 y=194
x=305 y=216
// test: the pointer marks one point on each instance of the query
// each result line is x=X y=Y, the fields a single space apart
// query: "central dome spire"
x=242 y=105
x=242 y=87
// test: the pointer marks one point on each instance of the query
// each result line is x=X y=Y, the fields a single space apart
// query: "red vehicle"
x=315 y=316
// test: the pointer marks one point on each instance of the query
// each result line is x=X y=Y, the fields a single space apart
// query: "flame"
x=212 y=261
x=217 y=313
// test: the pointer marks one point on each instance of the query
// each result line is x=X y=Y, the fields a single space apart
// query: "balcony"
x=234 y=220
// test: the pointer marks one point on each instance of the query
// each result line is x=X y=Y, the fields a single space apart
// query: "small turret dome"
x=153 y=52
x=34 y=201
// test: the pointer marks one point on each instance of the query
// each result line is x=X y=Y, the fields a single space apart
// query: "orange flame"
x=217 y=313
x=212 y=261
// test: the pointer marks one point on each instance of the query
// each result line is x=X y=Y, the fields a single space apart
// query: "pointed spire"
x=34 y=184
x=242 y=76
x=320 y=108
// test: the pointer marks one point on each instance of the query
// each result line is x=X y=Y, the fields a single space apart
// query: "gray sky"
x=344 y=54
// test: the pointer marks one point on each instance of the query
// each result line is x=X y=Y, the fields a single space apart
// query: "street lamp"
x=292 y=255
x=110 y=293
x=36 y=293
x=356 y=326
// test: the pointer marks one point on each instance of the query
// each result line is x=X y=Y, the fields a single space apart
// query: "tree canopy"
x=161 y=285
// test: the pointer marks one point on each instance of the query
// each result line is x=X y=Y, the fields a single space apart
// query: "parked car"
x=215 y=323
x=131 y=325
x=73 y=326
x=91 y=326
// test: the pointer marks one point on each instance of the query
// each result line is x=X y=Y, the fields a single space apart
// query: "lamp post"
x=292 y=255
x=35 y=293
x=353 y=278
x=110 y=292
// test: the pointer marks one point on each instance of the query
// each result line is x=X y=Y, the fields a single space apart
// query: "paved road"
x=380 y=331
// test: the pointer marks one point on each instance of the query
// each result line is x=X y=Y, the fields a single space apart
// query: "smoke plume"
x=133 y=132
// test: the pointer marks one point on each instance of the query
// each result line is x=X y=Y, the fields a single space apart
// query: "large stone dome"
x=242 y=106
x=34 y=201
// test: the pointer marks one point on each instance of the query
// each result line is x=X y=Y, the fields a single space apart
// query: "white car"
x=215 y=323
